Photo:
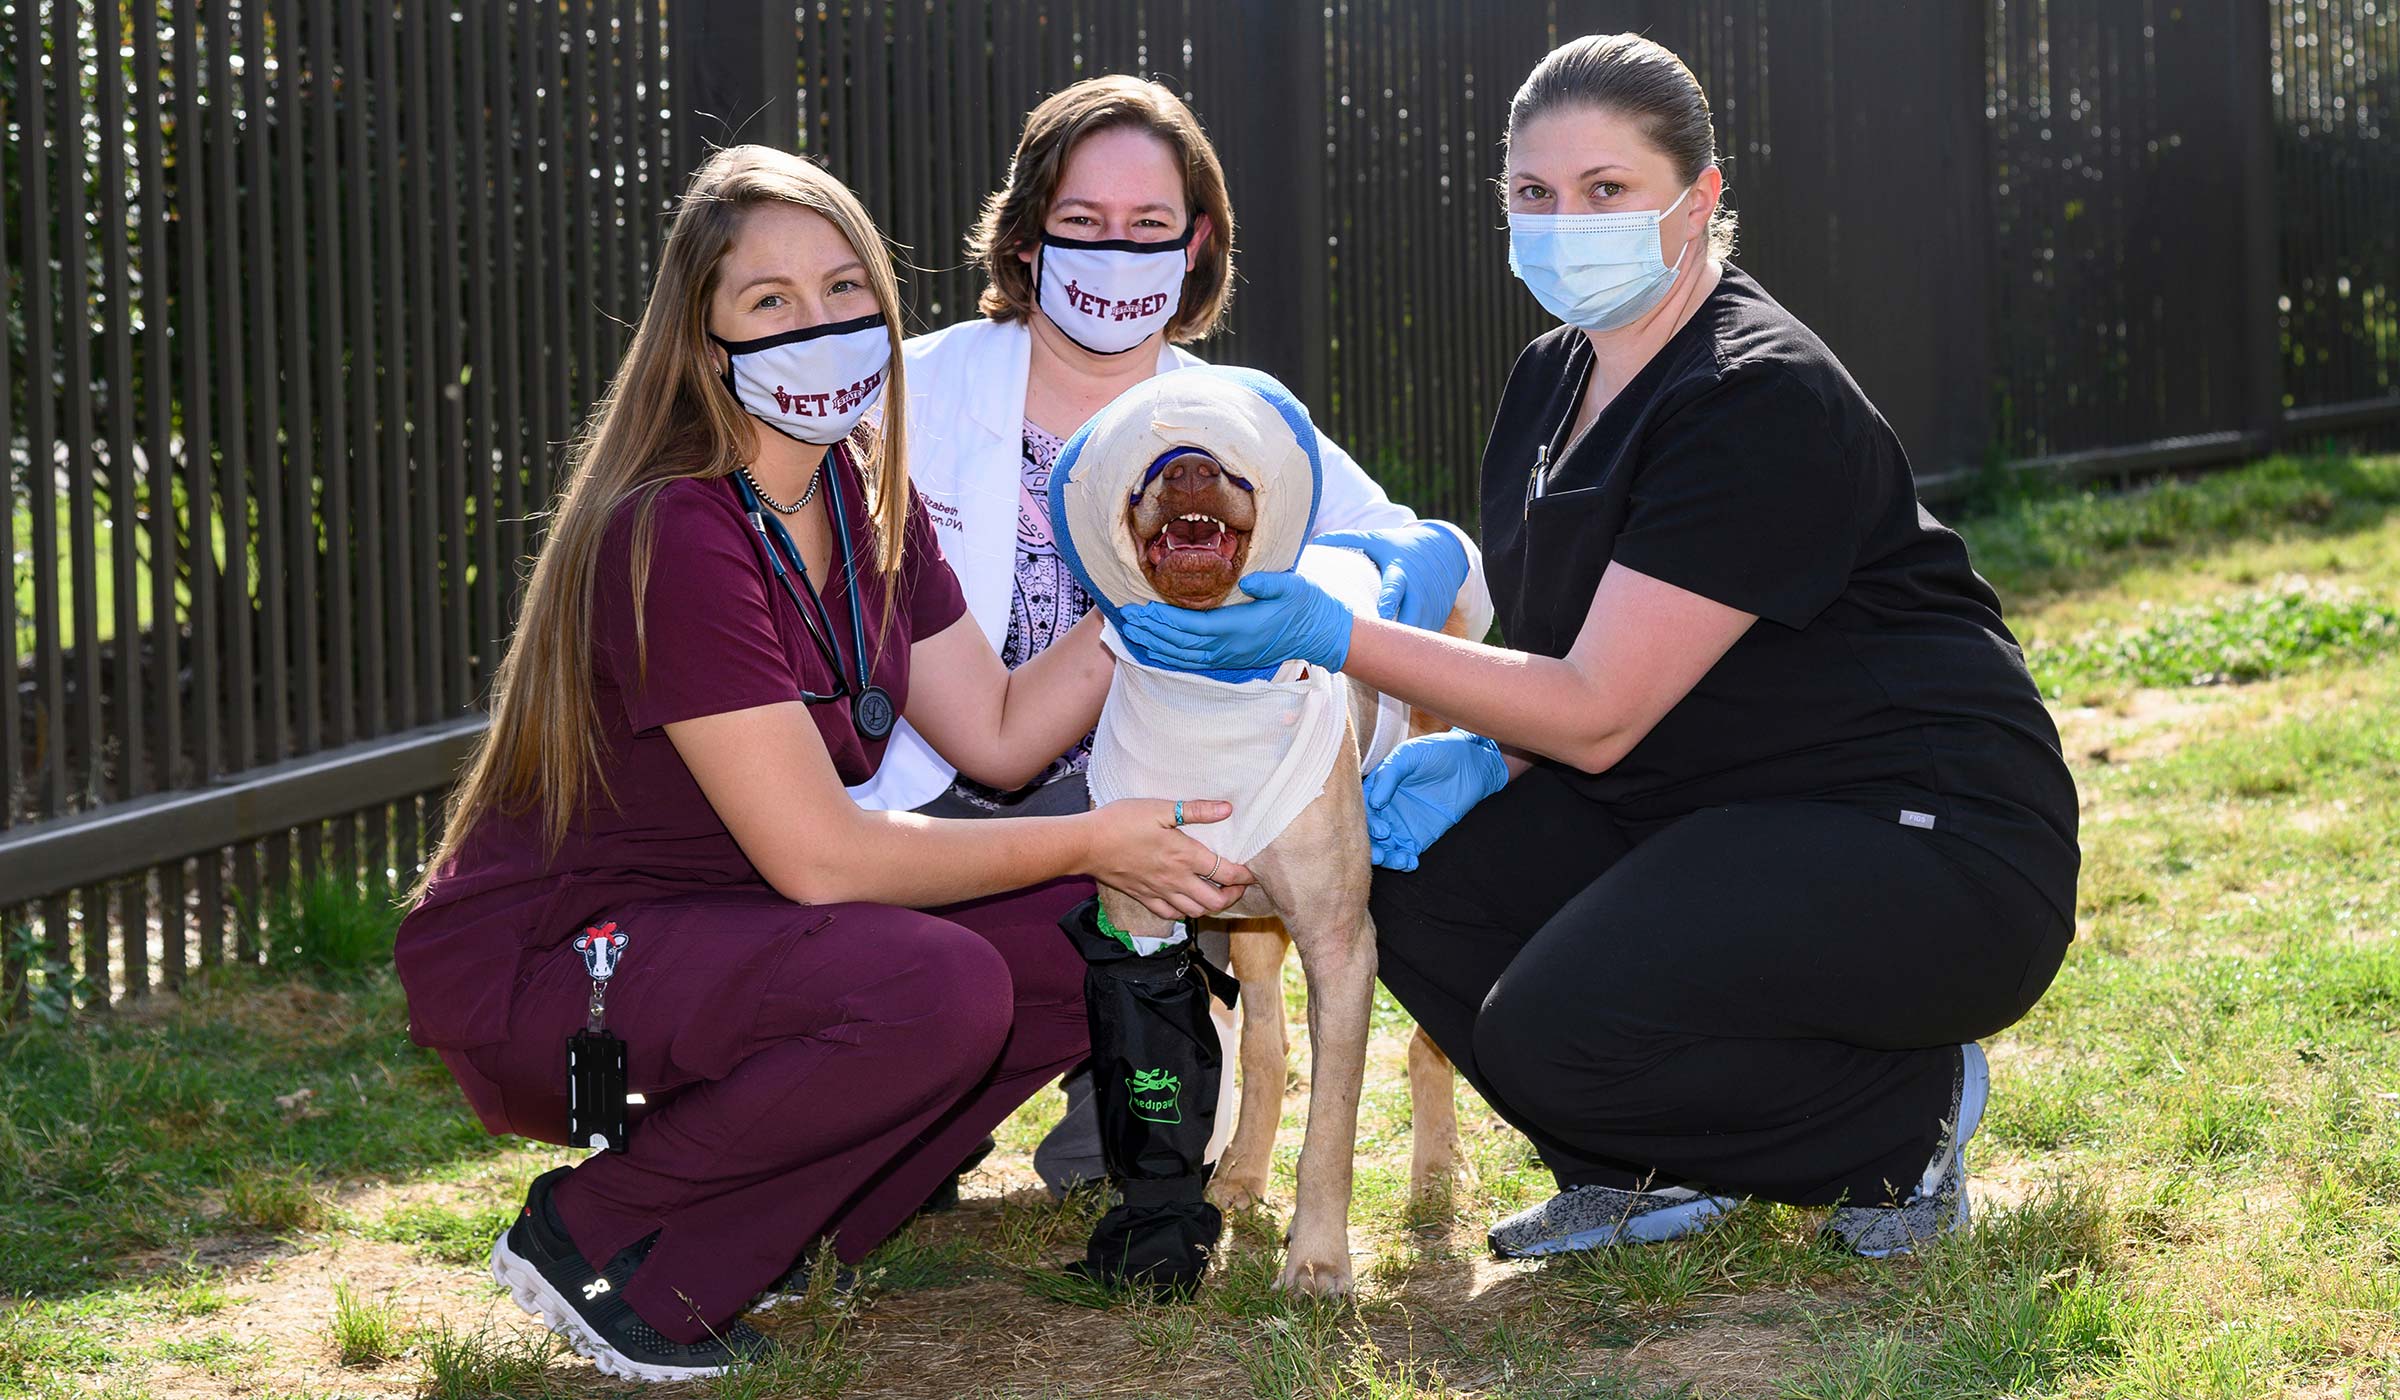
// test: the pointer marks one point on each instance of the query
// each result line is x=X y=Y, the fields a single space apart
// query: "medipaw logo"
x=1154 y=1095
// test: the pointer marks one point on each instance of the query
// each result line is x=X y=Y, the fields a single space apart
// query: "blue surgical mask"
x=1597 y=272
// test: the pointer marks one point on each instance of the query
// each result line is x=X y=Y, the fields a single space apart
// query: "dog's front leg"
x=1258 y=946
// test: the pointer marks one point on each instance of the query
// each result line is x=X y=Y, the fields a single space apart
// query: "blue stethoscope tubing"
x=871 y=710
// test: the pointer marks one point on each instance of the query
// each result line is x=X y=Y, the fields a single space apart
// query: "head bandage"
x=1265 y=740
x=1250 y=424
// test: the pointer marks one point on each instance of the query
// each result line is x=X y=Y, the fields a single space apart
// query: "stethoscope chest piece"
x=872 y=712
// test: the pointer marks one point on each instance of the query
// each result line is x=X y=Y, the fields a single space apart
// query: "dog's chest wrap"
x=1266 y=746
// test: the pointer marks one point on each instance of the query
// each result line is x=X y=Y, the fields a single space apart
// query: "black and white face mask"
x=1109 y=295
x=812 y=384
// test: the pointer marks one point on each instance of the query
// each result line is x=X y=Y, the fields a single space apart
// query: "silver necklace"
x=777 y=506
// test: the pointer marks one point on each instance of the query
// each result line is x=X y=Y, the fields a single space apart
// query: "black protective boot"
x=1155 y=1067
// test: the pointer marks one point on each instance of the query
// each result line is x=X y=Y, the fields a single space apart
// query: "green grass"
x=366 y=1331
x=2189 y=1175
x=146 y=1133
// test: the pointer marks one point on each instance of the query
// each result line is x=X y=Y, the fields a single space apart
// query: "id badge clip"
x=595 y=1058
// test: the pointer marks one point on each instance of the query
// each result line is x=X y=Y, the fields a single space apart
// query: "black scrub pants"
x=1763 y=1000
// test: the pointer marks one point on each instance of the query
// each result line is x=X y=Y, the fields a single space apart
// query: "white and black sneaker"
x=793 y=1286
x=1938 y=1205
x=1593 y=1217
x=538 y=1264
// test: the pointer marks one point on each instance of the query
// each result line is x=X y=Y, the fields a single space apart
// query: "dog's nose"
x=1190 y=472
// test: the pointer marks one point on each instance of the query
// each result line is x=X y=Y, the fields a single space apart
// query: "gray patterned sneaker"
x=1939 y=1205
x=1591 y=1217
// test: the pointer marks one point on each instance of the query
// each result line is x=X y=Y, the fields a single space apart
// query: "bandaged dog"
x=1174 y=492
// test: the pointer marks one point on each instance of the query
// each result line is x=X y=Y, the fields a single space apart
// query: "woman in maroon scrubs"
x=824 y=1008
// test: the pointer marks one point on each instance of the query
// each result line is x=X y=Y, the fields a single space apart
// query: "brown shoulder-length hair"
x=1015 y=215
x=665 y=417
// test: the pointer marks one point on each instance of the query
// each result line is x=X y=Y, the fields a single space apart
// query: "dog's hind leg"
x=1338 y=955
x=1242 y=1173
x=1435 y=1162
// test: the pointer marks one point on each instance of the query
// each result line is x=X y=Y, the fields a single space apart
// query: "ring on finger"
x=1179 y=811
x=1211 y=876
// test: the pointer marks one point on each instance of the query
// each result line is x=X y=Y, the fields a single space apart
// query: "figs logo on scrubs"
x=835 y=404
x=1155 y=1092
x=1091 y=303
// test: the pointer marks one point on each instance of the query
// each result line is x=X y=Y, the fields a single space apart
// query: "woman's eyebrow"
x=1586 y=175
x=1081 y=203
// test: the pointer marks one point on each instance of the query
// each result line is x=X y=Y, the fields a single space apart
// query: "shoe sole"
x=537 y=1297
x=1650 y=1227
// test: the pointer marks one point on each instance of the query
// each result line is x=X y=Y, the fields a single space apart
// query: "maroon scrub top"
x=721 y=635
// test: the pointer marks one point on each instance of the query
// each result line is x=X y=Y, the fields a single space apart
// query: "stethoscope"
x=871 y=711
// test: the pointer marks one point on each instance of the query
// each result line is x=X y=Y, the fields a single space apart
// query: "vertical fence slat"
x=42 y=427
x=231 y=511
x=17 y=171
x=454 y=645
x=419 y=501
x=518 y=432
x=267 y=695
x=86 y=759
x=361 y=484
x=121 y=768
x=165 y=662
x=335 y=262
x=484 y=399
x=299 y=68
x=399 y=617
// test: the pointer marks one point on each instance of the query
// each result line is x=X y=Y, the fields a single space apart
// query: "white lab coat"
x=966 y=417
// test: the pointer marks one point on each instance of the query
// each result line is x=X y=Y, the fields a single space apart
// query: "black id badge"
x=595 y=1058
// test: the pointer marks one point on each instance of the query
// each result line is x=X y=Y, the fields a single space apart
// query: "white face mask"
x=1108 y=296
x=1596 y=272
x=812 y=384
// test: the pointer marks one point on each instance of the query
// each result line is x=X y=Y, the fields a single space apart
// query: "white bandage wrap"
x=1266 y=746
x=1233 y=424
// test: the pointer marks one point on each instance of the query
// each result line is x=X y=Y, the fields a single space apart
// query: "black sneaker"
x=945 y=1196
x=541 y=1268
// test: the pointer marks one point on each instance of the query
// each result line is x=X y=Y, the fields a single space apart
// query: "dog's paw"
x=1440 y=1181
x=1317 y=1275
x=1237 y=1193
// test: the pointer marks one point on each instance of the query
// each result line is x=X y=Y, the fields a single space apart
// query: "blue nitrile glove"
x=1424 y=565
x=1423 y=788
x=1291 y=619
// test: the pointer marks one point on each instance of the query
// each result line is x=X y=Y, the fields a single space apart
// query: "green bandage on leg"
x=1136 y=943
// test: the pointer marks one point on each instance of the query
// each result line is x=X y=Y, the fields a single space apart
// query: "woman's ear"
x=1202 y=229
x=1709 y=190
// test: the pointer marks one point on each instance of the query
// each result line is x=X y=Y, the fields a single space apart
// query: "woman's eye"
x=1533 y=194
x=1607 y=189
x=844 y=287
x=768 y=302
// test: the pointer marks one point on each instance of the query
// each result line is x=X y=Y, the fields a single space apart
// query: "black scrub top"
x=1743 y=464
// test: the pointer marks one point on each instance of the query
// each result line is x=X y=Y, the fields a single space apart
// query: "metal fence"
x=305 y=295
x=302 y=293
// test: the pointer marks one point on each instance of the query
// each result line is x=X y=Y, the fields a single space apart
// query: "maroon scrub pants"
x=810 y=1071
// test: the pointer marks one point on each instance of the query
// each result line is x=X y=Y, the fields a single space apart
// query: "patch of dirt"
x=1729 y=1354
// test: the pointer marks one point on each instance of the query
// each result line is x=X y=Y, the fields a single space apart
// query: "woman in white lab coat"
x=1109 y=248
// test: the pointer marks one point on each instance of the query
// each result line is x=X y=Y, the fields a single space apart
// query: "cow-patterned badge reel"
x=595 y=1058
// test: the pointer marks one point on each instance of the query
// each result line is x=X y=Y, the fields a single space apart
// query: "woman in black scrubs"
x=1763 y=824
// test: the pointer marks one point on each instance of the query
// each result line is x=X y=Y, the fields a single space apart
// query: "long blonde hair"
x=665 y=417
